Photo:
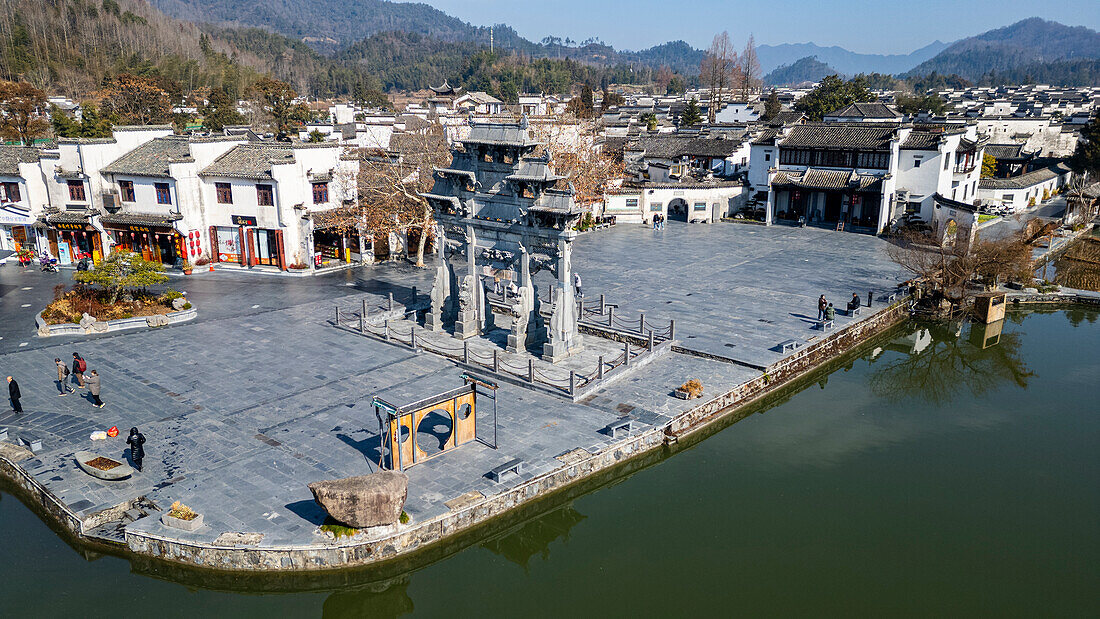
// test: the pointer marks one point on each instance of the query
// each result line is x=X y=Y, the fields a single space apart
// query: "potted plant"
x=181 y=517
x=691 y=389
x=187 y=267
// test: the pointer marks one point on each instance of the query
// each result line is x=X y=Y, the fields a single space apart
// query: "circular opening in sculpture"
x=433 y=431
x=465 y=411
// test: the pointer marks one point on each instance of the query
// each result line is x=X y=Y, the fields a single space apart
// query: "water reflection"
x=384 y=600
x=1080 y=266
x=535 y=536
x=938 y=364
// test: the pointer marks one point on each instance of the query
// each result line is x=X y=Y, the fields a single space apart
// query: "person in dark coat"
x=821 y=305
x=13 y=393
x=79 y=366
x=93 y=388
x=853 y=304
x=136 y=440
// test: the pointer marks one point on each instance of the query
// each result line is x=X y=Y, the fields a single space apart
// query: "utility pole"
x=490 y=39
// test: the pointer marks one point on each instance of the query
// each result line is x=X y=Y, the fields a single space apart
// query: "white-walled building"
x=259 y=199
x=862 y=176
x=23 y=196
x=1028 y=189
x=158 y=208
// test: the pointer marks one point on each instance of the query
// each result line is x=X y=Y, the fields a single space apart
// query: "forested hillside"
x=1045 y=46
x=808 y=69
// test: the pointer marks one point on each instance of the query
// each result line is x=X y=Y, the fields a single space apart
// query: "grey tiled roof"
x=141 y=219
x=152 y=158
x=865 y=136
x=12 y=156
x=499 y=134
x=865 y=110
x=534 y=170
x=1024 y=181
x=787 y=117
x=674 y=147
x=768 y=137
x=250 y=161
x=922 y=140
x=1005 y=151
x=827 y=179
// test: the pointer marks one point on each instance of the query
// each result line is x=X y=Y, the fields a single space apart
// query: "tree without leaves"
x=717 y=71
x=390 y=185
x=573 y=155
x=944 y=271
x=23 y=107
x=748 y=69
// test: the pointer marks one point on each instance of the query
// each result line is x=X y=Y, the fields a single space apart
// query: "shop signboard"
x=64 y=254
x=66 y=226
x=242 y=220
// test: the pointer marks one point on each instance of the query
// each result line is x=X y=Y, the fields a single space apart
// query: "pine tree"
x=691 y=115
x=772 y=106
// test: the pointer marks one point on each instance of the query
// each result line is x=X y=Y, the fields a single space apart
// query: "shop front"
x=71 y=236
x=331 y=248
x=16 y=229
x=152 y=236
x=248 y=245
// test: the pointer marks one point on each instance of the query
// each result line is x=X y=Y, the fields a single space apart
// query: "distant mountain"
x=844 y=61
x=808 y=69
x=1033 y=41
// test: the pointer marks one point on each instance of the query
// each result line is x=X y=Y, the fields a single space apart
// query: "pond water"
x=948 y=468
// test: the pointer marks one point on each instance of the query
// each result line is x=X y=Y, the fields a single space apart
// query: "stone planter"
x=180 y=523
x=122 y=471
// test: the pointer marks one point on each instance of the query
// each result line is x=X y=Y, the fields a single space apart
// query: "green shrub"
x=186 y=306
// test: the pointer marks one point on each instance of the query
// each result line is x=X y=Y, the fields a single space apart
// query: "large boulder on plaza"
x=364 y=501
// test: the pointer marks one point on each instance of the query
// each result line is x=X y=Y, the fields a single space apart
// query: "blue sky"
x=882 y=27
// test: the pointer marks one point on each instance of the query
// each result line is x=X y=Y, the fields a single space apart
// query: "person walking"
x=79 y=367
x=13 y=393
x=136 y=441
x=821 y=305
x=93 y=388
x=62 y=378
x=577 y=285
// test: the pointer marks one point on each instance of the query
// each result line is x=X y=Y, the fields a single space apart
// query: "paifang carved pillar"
x=441 y=287
x=562 y=334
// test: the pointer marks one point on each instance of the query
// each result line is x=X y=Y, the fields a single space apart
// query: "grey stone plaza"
x=261 y=394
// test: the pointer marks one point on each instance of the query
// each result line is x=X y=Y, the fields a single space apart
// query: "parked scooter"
x=48 y=263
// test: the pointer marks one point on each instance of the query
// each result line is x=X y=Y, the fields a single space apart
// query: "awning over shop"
x=15 y=215
x=825 y=180
x=141 y=222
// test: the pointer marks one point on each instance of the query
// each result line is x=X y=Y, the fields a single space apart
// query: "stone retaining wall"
x=137 y=322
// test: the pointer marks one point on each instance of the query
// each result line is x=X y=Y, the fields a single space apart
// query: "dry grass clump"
x=693 y=388
x=181 y=511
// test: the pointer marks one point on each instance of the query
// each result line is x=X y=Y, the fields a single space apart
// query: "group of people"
x=826 y=311
x=79 y=374
x=84 y=379
x=658 y=222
